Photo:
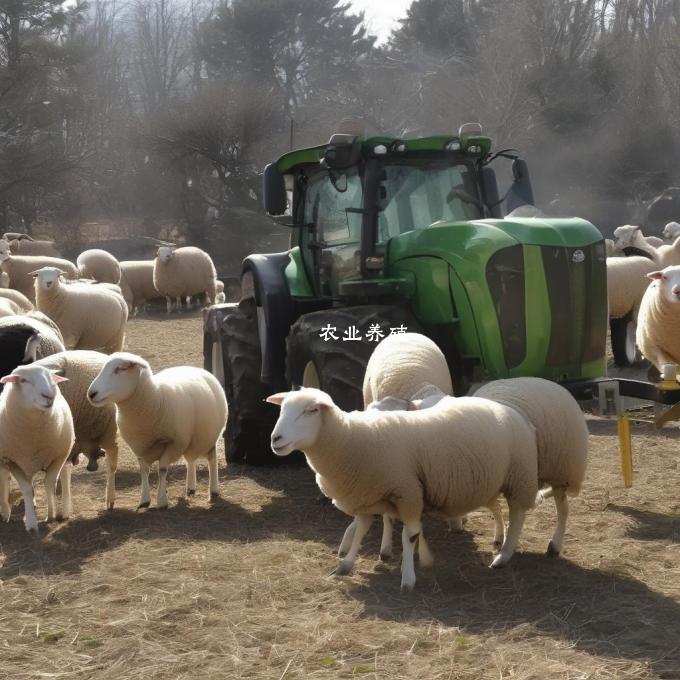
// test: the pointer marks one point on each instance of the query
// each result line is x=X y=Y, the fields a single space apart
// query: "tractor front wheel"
x=624 y=348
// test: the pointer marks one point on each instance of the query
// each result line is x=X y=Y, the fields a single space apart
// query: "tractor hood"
x=473 y=242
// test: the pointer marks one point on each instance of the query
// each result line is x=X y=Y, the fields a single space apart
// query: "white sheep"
x=451 y=459
x=95 y=428
x=183 y=272
x=89 y=316
x=99 y=265
x=20 y=268
x=671 y=231
x=631 y=236
x=19 y=299
x=136 y=282
x=37 y=435
x=658 y=326
x=626 y=283
x=180 y=411
x=23 y=244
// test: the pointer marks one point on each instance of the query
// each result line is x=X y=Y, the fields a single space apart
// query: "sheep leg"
x=499 y=524
x=515 y=523
x=66 y=501
x=347 y=538
x=179 y=303
x=51 y=476
x=562 y=505
x=409 y=537
x=5 y=507
x=191 y=477
x=168 y=304
x=363 y=524
x=214 y=476
x=425 y=556
x=26 y=488
x=386 y=542
x=145 y=500
x=111 y=467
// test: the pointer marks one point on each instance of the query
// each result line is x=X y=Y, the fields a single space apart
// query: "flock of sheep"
x=64 y=324
x=647 y=286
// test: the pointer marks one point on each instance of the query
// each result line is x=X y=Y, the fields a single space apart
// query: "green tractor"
x=389 y=235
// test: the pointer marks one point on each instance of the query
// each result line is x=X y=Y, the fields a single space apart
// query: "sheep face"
x=668 y=283
x=625 y=235
x=299 y=423
x=165 y=254
x=671 y=230
x=47 y=278
x=37 y=386
x=117 y=381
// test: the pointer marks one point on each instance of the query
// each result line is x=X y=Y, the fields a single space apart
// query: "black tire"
x=250 y=420
x=623 y=340
x=339 y=365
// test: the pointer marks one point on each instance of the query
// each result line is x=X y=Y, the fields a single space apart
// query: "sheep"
x=136 y=282
x=671 y=231
x=659 y=318
x=95 y=429
x=8 y=307
x=25 y=338
x=182 y=272
x=631 y=236
x=220 y=296
x=180 y=411
x=19 y=299
x=20 y=269
x=23 y=244
x=99 y=265
x=89 y=316
x=626 y=283
x=37 y=434
x=451 y=459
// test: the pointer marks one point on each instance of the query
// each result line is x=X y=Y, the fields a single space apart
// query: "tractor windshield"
x=418 y=193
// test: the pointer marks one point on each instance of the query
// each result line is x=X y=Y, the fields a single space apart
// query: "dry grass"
x=241 y=589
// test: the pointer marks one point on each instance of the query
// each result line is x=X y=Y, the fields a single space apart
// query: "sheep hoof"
x=109 y=506
x=385 y=556
x=61 y=518
x=144 y=505
x=552 y=551
x=497 y=545
x=407 y=587
x=214 y=495
x=162 y=507
x=191 y=492
x=498 y=563
x=343 y=568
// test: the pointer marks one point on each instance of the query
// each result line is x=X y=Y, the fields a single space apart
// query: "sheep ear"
x=324 y=401
x=414 y=405
x=9 y=379
x=277 y=398
x=35 y=273
x=656 y=275
x=57 y=377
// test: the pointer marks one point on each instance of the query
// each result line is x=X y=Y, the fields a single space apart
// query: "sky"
x=382 y=15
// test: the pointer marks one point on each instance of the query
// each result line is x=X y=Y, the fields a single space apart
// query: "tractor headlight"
x=453 y=145
x=379 y=149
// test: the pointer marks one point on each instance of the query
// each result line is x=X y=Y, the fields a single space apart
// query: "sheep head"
x=36 y=386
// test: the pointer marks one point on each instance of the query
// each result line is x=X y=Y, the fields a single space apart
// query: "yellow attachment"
x=626 y=448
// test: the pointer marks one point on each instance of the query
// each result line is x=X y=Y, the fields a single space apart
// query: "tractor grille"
x=576 y=282
x=505 y=277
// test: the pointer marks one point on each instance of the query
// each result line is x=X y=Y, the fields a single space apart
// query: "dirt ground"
x=241 y=588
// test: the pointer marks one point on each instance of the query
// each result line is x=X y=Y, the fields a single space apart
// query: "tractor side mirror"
x=520 y=192
x=274 y=190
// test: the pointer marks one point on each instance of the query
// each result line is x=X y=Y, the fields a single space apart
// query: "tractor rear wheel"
x=338 y=365
x=250 y=420
x=624 y=349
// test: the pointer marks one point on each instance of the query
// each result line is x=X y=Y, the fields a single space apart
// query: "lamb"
x=25 y=338
x=136 y=282
x=95 y=428
x=180 y=411
x=37 y=434
x=20 y=269
x=659 y=318
x=671 y=231
x=23 y=244
x=183 y=272
x=451 y=459
x=99 y=265
x=19 y=299
x=631 y=236
x=89 y=316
